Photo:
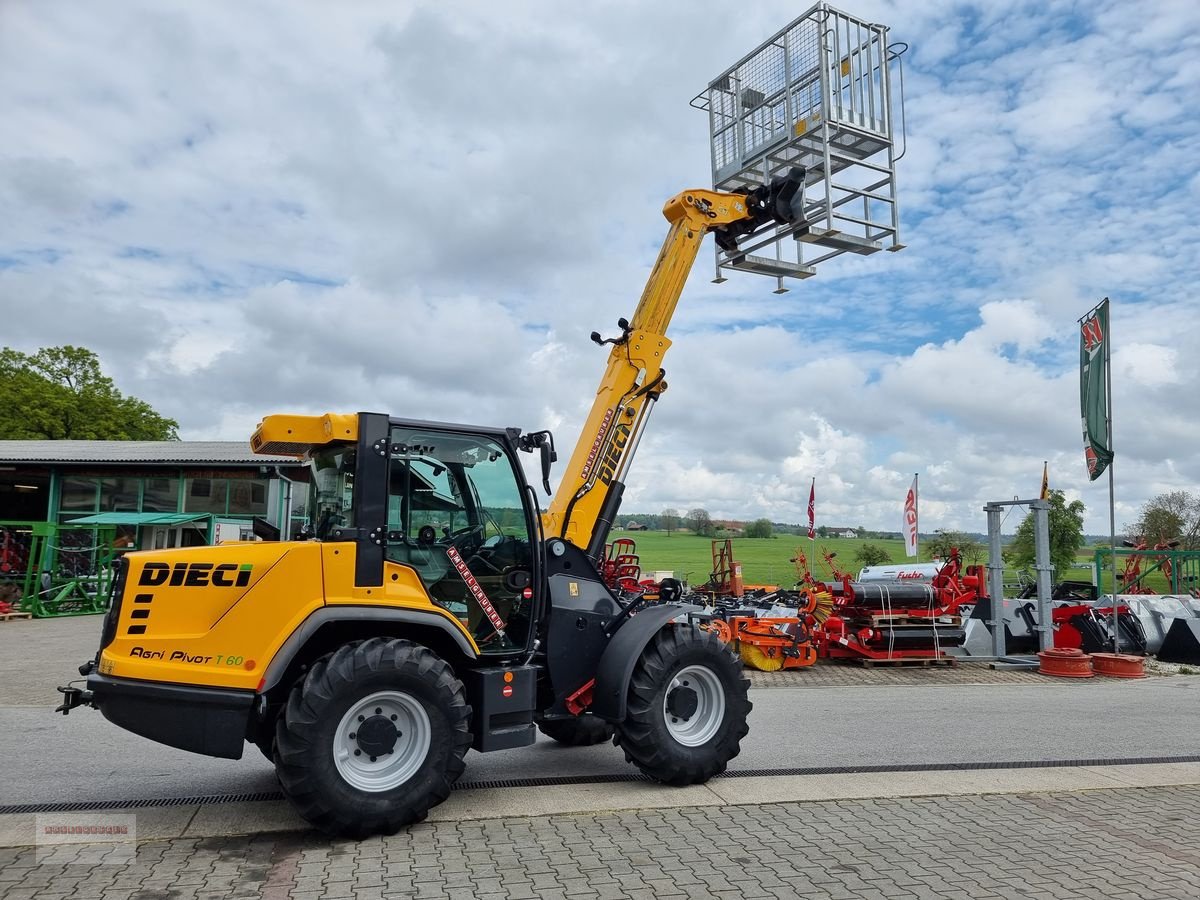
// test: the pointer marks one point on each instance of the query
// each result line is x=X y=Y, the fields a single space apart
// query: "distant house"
x=636 y=526
x=843 y=532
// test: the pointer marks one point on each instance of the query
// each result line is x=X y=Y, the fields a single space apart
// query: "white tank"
x=921 y=573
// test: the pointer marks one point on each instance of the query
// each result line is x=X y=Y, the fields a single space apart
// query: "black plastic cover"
x=211 y=721
x=503 y=699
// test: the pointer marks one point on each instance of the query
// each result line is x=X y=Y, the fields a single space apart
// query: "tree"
x=701 y=522
x=1168 y=517
x=669 y=518
x=759 y=528
x=1066 y=535
x=872 y=555
x=60 y=393
x=822 y=532
x=943 y=541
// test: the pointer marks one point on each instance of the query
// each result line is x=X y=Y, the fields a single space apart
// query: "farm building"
x=152 y=493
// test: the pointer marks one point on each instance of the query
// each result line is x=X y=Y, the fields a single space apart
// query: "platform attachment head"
x=817 y=95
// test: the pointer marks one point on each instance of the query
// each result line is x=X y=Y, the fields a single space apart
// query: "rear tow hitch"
x=73 y=697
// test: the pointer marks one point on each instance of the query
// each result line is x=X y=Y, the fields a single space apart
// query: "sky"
x=425 y=208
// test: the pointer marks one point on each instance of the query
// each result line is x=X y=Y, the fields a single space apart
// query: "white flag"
x=910 y=520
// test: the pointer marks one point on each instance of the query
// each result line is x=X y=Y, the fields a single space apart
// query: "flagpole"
x=812 y=521
x=917 y=514
x=1112 y=507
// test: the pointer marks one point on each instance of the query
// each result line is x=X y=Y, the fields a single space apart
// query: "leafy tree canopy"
x=60 y=393
x=701 y=522
x=1066 y=535
x=971 y=551
x=1169 y=517
x=759 y=528
x=872 y=555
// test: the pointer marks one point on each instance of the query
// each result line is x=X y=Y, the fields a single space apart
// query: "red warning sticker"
x=506 y=690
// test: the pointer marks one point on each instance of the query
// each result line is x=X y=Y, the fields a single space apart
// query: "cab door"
x=458 y=516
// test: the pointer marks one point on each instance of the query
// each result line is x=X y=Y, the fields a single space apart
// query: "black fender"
x=616 y=665
x=338 y=613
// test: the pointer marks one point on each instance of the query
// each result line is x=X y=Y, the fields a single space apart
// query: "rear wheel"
x=687 y=707
x=581 y=731
x=372 y=738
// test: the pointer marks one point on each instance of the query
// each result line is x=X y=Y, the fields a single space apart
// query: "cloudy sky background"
x=424 y=208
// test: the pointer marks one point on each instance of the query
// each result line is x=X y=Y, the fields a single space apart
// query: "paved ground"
x=1115 y=844
x=38 y=655
x=84 y=757
x=828 y=715
x=1070 y=832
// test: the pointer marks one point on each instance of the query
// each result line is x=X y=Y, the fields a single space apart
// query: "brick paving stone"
x=1010 y=847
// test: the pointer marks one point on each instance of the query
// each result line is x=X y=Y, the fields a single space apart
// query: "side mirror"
x=544 y=441
x=548 y=456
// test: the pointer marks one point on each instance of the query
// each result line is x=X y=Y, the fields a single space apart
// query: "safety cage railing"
x=817 y=95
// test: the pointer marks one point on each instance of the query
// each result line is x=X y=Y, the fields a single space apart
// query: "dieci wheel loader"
x=432 y=607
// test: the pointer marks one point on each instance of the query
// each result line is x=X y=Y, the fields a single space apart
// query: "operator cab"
x=447 y=501
x=456 y=500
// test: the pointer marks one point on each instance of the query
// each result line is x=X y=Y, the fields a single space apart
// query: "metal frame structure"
x=60 y=579
x=817 y=95
x=1179 y=568
x=1043 y=568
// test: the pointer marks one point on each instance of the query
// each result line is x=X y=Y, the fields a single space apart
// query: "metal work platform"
x=817 y=95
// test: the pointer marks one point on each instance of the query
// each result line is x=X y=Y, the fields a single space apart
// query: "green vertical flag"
x=1093 y=389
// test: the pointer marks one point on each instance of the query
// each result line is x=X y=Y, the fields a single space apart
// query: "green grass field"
x=766 y=560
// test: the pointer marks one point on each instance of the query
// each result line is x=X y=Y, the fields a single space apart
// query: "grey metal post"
x=995 y=581
x=1043 y=567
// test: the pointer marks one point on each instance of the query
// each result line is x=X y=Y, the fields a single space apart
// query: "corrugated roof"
x=133 y=452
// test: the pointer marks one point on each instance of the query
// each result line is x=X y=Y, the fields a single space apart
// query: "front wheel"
x=372 y=738
x=687 y=707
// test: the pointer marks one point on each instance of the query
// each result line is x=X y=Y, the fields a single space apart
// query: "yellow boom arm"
x=589 y=494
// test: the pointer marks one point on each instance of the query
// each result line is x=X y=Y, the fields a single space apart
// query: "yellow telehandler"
x=432 y=607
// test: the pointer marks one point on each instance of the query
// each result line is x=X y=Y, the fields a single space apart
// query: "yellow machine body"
x=217 y=616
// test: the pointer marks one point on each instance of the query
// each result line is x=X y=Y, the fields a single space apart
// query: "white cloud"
x=426 y=208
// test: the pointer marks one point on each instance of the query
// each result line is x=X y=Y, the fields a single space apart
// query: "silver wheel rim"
x=382 y=773
x=700 y=727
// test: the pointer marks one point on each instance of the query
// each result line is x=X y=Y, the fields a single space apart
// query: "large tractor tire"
x=581 y=731
x=687 y=707
x=372 y=738
x=266 y=745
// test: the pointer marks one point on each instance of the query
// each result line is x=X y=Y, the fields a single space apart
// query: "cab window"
x=456 y=517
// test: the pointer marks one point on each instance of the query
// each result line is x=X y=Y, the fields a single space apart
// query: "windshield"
x=331 y=496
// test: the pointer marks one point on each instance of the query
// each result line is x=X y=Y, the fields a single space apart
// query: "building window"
x=247 y=497
x=119 y=494
x=161 y=495
x=78 y=495
x=206 y=495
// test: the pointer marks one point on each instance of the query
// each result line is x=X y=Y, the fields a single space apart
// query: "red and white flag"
x=812 y=511
x=910 y=520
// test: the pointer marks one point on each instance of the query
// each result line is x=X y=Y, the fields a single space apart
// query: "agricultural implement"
x=891 y=620
x=52 y=570
x=770 y=630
